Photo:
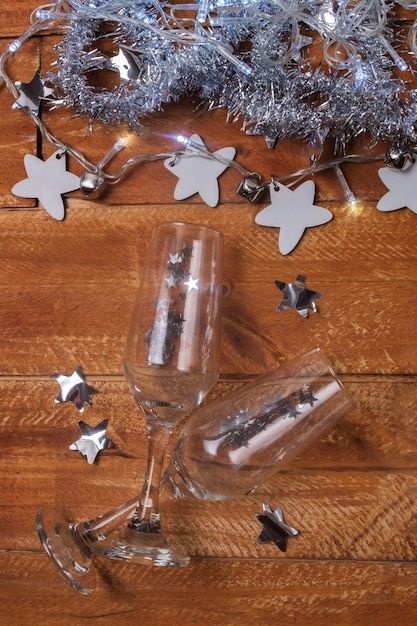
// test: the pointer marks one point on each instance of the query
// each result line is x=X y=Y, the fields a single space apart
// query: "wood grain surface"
x=67 y=289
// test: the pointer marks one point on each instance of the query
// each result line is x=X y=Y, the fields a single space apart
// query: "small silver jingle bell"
x=399 y=157
x=251 y=188
x=92 y=184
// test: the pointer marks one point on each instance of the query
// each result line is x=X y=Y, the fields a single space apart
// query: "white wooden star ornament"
x=198 y=173
x=402 y=186
x=47 y=181
x=292 y=212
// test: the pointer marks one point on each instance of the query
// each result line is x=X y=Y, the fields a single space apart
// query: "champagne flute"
x=236 y=443
x=232 y=445
x=170 y=361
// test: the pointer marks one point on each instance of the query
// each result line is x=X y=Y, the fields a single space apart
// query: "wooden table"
x=67 y=289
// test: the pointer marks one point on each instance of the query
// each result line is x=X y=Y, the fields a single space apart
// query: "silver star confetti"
x=74 y=389
x=274 y=527
x=297 y=296
x=92 y=440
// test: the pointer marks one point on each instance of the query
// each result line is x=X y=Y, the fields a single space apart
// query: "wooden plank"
x=45 y=329
x=342 y=514
x=18 y=134
x=16 y=18
x=84 y=273
x=107 y=244
x=213 y=592
x=351 y=495
x=158 y=136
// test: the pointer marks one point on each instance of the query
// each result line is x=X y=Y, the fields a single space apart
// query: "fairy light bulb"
x=118 y=146
x=193 y=146
x=241 y=66
x=183 y=139
x=359 y=73
x=350 y=196
x=15 y=45
x=43 y=14
x=398 y=60
x=202 y=11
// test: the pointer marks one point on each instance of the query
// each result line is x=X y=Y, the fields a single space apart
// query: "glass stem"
x=146 y=518
x=95 y=532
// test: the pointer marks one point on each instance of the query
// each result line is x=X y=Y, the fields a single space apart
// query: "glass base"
x=145 y=548
x=70 y=558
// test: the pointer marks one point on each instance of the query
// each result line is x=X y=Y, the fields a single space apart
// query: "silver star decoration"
x=172 y=281
x=297 y=296
x=74 y=389
x=175 y=258
x=199 y=174
x=268 y=134
x=292 y=212
x=92 y=440
x=32 y=93
x=402 y=189
x=127 y=63
x=274 y=527
x=306 y=397
x=191 y=283
x=47 y=181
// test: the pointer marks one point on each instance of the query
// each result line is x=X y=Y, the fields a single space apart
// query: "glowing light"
x=350 y=196
x=356 y=208
x=15 y=45
x=118 y=146
x=401 y=64
x=121 y=143
x=42 y=14
x=399 y=61
x=183 y=139
x=202 y=11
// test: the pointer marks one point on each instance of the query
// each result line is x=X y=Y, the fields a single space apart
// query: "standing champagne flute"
x=171 y=361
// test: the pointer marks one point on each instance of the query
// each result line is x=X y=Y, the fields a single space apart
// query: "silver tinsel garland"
x=252 y=57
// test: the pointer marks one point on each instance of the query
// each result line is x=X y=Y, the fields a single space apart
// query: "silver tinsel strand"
x=258 y=59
